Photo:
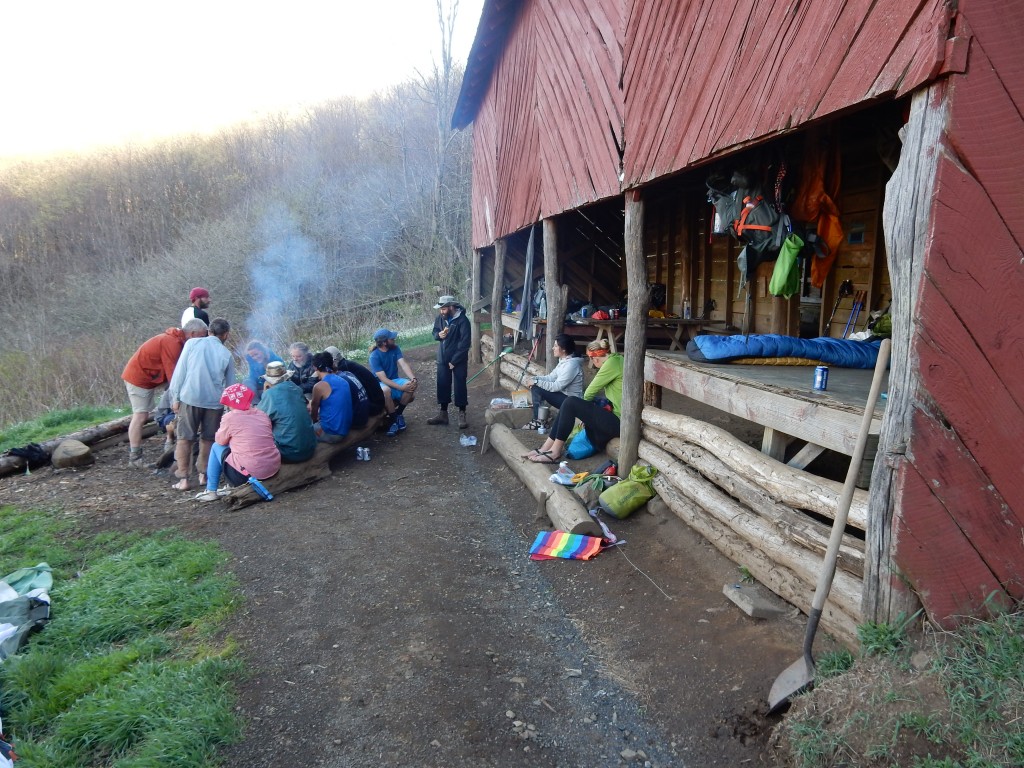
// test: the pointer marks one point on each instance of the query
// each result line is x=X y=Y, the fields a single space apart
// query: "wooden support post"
x=635 y=344
x=652 y=394
x=497 y=330
x=556 y=293
x=474 y=321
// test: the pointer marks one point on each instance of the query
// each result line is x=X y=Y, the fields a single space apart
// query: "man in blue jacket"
x=451 y=329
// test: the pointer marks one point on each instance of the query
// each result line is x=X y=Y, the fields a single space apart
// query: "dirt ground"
x=392 y=616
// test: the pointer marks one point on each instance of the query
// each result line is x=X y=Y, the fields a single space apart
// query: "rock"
x=71 y=453
x=755 y=601
x=627 y=754
x=658 y=508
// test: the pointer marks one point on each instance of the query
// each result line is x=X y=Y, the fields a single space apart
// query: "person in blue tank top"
x=331 y=406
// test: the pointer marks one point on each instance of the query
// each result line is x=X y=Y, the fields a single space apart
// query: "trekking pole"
x=503 y=352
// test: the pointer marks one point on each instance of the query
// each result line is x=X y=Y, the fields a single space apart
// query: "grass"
x=56 y=423
x=131 y=670
x=963 y=710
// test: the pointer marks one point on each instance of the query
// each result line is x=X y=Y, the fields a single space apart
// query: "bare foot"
x=182 y=485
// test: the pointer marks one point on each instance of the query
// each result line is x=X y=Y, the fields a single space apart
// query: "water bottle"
x=687 y=312
x=260 y=488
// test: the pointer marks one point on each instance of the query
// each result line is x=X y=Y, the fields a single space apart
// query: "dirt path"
x=393 y=618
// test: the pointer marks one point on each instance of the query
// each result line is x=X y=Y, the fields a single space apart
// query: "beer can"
x=821 y=378
x=359 y=454
x=366 y=454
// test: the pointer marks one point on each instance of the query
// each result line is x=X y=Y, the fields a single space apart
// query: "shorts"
x=194 y=422
x=326 y=437
x=396 y=394
x=142 y=400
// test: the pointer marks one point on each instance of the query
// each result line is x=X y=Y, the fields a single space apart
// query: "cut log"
x=797 y=527
x=297 y=475
x=563 y=508
x=749 y=533
x=792 y=487
x=88 y=436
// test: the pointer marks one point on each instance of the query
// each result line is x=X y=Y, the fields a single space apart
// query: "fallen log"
x=747 y=533
x=89 y=435
x=794 y=525
x=563 y=508
x=793 y=487
x=297 y=475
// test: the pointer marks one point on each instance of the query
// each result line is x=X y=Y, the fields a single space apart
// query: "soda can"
x=359 y=453
x=821 y=378
x=366 y=454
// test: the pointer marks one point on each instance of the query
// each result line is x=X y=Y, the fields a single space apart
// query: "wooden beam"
x=474 y=321
x=554 y=291
x=497 y=330
x=805 y=456
x=639 y=298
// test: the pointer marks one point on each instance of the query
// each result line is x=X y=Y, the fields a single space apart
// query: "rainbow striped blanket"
x=550 y=545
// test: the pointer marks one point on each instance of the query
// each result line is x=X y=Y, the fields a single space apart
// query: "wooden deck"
x=777 y=397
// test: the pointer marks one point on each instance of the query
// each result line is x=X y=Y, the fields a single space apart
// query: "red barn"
x=901 y=123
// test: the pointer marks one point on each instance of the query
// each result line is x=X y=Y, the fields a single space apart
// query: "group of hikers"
x=279 y=412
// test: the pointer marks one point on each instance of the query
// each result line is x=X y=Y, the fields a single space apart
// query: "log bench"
x=297 y=475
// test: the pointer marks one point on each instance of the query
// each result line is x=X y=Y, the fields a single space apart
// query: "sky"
x=83 y=75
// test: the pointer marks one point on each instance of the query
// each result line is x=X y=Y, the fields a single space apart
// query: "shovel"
x=800 y=674
x=501 y=354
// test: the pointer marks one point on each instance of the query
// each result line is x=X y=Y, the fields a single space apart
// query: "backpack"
x=742 y=211
x=360 y=400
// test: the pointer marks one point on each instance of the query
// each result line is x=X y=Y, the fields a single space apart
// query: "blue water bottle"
x=509 y=305
x=261 y=489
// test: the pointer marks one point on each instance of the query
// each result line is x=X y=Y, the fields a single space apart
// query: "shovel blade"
x=794 y=679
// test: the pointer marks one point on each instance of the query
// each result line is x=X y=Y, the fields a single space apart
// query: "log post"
x=652 y=394
x=635 y=345
x=474 y=320
x=555 y=292
x=497 y=330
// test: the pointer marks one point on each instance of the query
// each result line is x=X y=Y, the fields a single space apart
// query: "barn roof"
x=496 y=20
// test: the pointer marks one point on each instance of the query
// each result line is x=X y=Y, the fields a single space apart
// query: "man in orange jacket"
x=150 y=367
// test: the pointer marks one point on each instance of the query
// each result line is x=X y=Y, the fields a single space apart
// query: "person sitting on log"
x=257 y=356
x=386 y=362
x=331 y=406
x=370 y=382
x=566 y=380
x=243 y=446
x=283 y=402
x=301 y=367
x=601 y=424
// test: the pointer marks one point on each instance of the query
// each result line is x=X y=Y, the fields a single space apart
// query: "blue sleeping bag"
x=842 y=353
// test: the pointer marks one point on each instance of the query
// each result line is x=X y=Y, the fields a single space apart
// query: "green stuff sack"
x=625 y=498
x=786 y=276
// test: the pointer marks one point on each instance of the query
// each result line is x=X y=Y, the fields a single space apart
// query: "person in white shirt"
x=564 y=381
x=199 y=300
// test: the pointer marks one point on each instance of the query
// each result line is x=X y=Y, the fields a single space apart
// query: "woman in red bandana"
x=244 y=444
x=601 y=424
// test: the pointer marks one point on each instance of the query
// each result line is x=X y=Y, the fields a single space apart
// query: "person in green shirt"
x=285 y=404
x=601 y=424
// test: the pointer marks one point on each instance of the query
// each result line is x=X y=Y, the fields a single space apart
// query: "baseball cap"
x=383 y=333
x=198 y=293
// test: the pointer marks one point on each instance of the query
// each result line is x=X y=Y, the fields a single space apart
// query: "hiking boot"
x=440 y=420
x=400 y=421
x=135 y=458
x=463 y=424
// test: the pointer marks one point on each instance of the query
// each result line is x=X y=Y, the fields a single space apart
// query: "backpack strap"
x=749 y=204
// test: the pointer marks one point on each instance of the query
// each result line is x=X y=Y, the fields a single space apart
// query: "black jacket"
x=455 y=347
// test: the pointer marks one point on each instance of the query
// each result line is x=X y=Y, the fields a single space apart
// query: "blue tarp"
x=841 y=353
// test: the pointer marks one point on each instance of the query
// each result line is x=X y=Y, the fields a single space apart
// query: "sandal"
x=545 y=457
x=534 y=424
x=207 y=496
x=533 y=453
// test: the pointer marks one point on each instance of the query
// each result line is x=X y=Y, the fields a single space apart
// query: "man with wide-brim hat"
x=285 y=404
x=452 y=331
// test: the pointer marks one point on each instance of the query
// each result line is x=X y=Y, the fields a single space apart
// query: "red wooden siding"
x=704 y=76
x=960 y=522
x=557 y=109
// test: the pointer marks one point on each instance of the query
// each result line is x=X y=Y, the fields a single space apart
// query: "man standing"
x=150 y=367
x=386 y=362
x=199 y=300
x=451 y=329
x=204 y=371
